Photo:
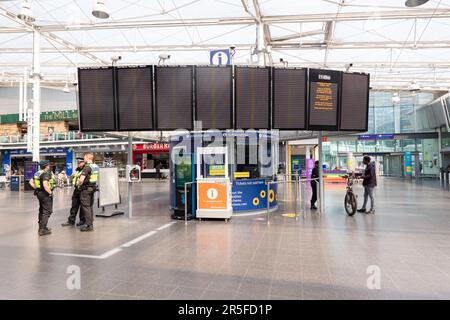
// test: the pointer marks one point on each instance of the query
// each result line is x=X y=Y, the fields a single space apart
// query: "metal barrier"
x=186 y=200
x=299 y=193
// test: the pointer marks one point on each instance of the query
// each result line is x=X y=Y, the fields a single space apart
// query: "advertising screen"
x=213 y=96
x=96 y=99
x=252 y=90
x=135 y=98
x=289 y=99
x=324 y=87
x=355 y=102
x=174 y=103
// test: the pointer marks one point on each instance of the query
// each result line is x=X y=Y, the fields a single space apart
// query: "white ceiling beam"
x=304 y=18
x=50 y=36
x=279 y=45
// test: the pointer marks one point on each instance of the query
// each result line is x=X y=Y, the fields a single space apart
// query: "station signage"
x=376 y=137
x=151 y=147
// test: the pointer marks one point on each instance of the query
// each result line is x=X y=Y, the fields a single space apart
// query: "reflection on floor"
x=319 y=256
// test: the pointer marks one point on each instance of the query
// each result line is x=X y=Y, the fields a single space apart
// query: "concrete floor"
x=319 y=256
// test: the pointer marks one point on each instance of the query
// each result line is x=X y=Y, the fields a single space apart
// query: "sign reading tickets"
x=248 y=195
x=212 y=195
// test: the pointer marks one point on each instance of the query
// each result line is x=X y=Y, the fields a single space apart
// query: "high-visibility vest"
x=37 y=180
x=75 y=177
x=93 y=177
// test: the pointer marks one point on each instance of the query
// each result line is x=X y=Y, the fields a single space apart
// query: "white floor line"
x=115 y=250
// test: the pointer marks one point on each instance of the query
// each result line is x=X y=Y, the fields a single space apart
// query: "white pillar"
x=36 y=95
x=130 y=184
x=260 y=46
x=307 y=152
x=322 y=182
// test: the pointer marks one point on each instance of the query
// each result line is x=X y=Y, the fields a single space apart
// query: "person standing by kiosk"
x=43 y=183
x=314 y=182
x=87 y=183
x=76 y=201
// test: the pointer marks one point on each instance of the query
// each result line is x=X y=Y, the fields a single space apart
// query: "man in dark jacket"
x=314 y=183
x=369 y=183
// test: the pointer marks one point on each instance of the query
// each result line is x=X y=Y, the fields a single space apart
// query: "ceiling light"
x=100 y=10
x=395 y=98
x=415 y=3
x=66 y=88
x=414 y=86
x=25 y=13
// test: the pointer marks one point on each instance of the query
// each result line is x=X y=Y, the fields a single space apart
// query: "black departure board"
x=213 y=96
x=252 y=90
x=135 y=98
x=355 y=102
x=289 y=99
x=174 y=98
x=96 y=99
x=324 y=91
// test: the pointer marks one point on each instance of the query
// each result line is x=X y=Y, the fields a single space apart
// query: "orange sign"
x=212 y=196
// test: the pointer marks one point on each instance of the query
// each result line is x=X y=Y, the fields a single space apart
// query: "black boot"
x=81 y=223
x=44 y=232
x=87 y=228
x=67 y=224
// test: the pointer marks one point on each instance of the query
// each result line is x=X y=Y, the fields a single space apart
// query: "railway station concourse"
x=245 y=149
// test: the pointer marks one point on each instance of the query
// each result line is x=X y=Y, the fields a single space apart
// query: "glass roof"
x=394 y=43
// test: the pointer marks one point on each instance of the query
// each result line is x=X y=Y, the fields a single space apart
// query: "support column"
x=36 y=95
x=130 y=184
x=260 y=46
x=322 y=183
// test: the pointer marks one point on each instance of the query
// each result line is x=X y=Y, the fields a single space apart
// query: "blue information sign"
x=250 y=195
x=220 y=57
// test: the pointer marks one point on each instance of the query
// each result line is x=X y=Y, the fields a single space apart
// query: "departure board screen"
x=355 y=102
x=289 y=99
x=324 y=86
x=96 y=99
x=174 y=98
x=252 y=98
x=135 y=98
x=213 y=96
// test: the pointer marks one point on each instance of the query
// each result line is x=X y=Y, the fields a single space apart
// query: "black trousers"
x=314 y=192
x=87 y=202
x=76 y=203
x=45 y=208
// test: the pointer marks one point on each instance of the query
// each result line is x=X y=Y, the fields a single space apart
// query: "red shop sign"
x=151 y=147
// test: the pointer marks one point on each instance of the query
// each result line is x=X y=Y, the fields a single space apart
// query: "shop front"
x=150 y=157
x=17 y=159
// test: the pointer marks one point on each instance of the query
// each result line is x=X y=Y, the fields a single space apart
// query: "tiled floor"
x=320 y=256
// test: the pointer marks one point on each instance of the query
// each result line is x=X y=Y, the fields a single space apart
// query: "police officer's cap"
x=44 y=163
x=80 y=159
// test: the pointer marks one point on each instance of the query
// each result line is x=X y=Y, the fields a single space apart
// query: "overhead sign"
x=324 y=91
x=214 y=97
x=174 y=98
x=355 y=102
x=289 y=99
x=220 y=57
x=376 y=137
x=252 y=90
x=97 y=99
x=135 y=98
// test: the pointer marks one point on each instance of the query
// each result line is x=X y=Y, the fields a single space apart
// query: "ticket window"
x=212 y=162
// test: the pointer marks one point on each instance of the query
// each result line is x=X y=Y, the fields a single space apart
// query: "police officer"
x=76 y=202
x=87 y=183
x=43 y=183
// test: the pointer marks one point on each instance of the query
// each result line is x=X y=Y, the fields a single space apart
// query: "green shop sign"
x=66 y=115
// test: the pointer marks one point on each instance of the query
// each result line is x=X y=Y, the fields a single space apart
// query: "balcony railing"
x=71 y=135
